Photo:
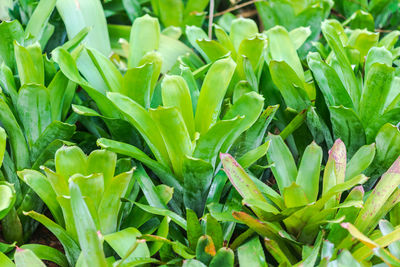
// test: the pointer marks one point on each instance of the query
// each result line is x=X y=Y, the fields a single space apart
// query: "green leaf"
x=360 y=161
x=34 y=110
x=110 y=204
x=10 y=31
x=299 y=36
x=104 y=162
x=289 y=84
x=79 y=14
x=123 y=241
x=175 y=93
x=212 y=93
x=197 y=175
x=7 y=198
x=251 y=253
x=144 y=37
x=242 y=28
x=294 y=196
x=25 y=257
x=5 y=261
x=194 y=230
x=224 y=257
x=87 y=233
x=282 y=49
x=171 y=12
x=284 y=168
x=39 y=19
x=172 y=128
x=309 y=171
x=47 y=253
x=43 y=188
x=136 y=84
x=373 y=99
x=214 y=230
x=30 y=63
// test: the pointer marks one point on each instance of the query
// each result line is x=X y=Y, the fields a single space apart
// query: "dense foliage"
x=199 y=133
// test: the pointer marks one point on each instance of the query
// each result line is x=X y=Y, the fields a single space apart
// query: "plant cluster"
x=199 y=133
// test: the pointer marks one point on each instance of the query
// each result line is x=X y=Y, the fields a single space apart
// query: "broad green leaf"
x=30 y=63
x=7 y=198
x=252 y=156
x=242 y=28
x=108 y=71
x=34 y=110
x=373 y=99
x=282 y=49
x=136 y=84
x=10 y=31
x=251 y=253
x=360 y=161
x=212 y=93
x=70 y=161
x=16 y=137
x=214 y=230
x=212 y=49
x=123 y=241
x=289 y=84
x=171 y=125
x=47 y=253
x=175 y=93
x=87 y=233
x=224 y=257
x=194 y=230
x=294 y=196
x=309 y=171
x=284 y=168
x=39 y=18
x=299 y=36
x=110 y=204
x=91 y=186
x=240 y=108
x=144 y=37
x=171 y=12
x=104 y=162
x=197 y=177
x=79 y=14
x=377 y=55
x=5 y=261
x=25 y=257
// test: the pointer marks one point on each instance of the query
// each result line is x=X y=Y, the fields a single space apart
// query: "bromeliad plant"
x=34 y=102
x=84 y=196
x=360 y=87
x=293 y=217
